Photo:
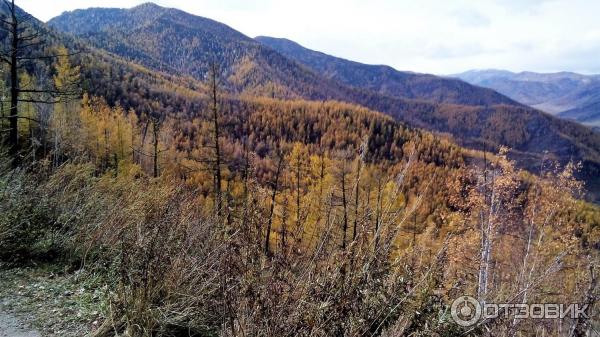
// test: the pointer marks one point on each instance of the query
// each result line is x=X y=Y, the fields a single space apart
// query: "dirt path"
x=10 y=326
x=46 y=301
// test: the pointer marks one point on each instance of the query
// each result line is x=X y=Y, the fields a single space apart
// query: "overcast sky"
x=434 y=36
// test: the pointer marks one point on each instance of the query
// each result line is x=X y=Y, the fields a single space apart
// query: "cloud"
x=455 y=51
x=529 y=7
x=427 y=36
x=471 y=18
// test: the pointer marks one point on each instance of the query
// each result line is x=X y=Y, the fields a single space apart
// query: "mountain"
x=172 y=41
x=147 y=34
x=179 y=45
x=258 y=125
x=566 y=94
x=500 y=112
x=385 y=79
x=173 y=197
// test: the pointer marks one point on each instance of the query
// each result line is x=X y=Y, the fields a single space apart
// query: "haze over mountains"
x=568 y=95
x=183 y=45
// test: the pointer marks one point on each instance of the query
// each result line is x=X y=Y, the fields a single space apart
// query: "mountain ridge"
x=566 y=94
x=253 y=68
x=518 y=112
x=385 y=79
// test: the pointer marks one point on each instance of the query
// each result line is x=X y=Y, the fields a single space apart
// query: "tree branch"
x=35 y=101
x=48 y=91
x=30 y=36
x=33 y=44
x=47 y=57
x=5 y=60
x=21 y=117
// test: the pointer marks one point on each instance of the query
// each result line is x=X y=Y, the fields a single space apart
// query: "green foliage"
x=27 y=222
x=40 y=213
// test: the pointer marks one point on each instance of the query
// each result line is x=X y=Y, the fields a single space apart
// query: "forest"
x=173 y=42
x=199 y=210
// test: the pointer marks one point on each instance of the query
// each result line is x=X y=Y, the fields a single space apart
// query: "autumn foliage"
x=228 y=214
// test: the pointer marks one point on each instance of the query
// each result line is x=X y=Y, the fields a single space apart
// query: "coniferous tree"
x=213 y=82
x=25 y=41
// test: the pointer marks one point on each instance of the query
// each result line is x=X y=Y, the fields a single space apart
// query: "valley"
x=164 y=175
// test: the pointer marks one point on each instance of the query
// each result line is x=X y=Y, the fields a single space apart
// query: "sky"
x=430 y=36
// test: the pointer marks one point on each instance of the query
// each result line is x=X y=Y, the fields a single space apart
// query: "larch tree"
x=274 y=190
x=359 y=163
x=24 y=43
x=342 y=173
x=298 y=162
x=213 y=83
x=65 y=117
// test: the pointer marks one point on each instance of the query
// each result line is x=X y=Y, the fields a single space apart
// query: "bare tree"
x=298 y=170
x=583 y=325
x=213 y=82
x=156 y=124
x=342 y=176
x=378 y=207
x=359 y=163
x=274 y=189
x=487 y=230
x=24 y=39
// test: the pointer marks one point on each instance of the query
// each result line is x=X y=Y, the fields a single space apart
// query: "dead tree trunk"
x=487 y=239
x=24 y=42
x=284 y=231
x=13 y=137
x=378 y=208
x=582 y=324
x=356 y=198
x=298 y=176
x=345 y=208
x=214 y=83
x=245 y=178
x=155 y=132
x=275 y=187
x=320 y=195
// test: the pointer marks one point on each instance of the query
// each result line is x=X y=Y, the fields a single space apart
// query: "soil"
x=41 y=301
x=11 y=326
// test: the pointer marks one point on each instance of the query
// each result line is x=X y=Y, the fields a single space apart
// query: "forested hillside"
x=484 y=119
x=568 y=95
x=386 y=80
x=194 y=207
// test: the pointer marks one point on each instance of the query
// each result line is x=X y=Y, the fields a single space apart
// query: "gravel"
x=11 y=326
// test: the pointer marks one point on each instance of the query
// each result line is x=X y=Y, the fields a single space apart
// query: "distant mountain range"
x=568 y=95
x=502 y=113
x=385 y=79
x=173 y=41
x=174 y=46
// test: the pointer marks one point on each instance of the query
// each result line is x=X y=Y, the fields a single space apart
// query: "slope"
x=386 y=80
x=176 y=42
x=568 y=95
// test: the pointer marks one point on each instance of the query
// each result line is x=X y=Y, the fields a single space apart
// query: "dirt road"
x=10 y=326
